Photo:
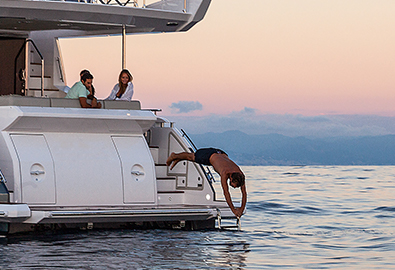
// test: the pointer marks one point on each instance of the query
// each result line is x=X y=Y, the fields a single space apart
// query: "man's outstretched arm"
x=225 y=188
x=240 y=210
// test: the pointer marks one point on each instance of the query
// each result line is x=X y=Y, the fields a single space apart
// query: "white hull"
x=107 y=166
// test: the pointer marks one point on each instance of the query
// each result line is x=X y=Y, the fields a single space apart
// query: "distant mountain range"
x=276 y=149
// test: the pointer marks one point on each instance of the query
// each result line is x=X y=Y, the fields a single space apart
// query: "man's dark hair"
x=83 y=72
x=238 y=179
x=86 y=76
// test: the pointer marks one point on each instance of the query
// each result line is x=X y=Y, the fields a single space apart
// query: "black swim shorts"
x=202 y=156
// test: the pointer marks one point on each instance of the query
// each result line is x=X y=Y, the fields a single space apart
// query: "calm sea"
x=298 y=218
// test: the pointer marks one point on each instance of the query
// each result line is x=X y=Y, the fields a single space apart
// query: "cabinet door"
x=36 y=169
x=137 y=168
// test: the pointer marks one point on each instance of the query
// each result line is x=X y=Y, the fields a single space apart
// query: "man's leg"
x=175 y=158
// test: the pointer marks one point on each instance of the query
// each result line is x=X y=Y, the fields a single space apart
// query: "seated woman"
x=123 y=90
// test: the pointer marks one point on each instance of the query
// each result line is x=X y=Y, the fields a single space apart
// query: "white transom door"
x=137 y=169
x=37 y=169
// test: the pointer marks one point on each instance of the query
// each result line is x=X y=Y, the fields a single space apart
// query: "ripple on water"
x=385 y=209
x=283 y=209
x=291 y=173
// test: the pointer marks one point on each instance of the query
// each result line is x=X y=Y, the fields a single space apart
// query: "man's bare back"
x=223 y=165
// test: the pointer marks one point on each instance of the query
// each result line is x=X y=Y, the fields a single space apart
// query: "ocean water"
x=310 y=217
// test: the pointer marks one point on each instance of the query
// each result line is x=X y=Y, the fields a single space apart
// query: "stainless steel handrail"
x=2 y=178
x=155 y=111
x=208 y=173
x=221 y=227
x=206 y=170
x=60 y=69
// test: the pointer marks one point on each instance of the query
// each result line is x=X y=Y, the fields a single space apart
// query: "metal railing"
x=206 y=170
x=26 y=73
x=4 y=193
x=227 y=227
x=2 y=178
x=208 y=173
x=58 y=61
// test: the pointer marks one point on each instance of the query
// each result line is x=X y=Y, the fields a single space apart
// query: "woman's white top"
x=126 y=96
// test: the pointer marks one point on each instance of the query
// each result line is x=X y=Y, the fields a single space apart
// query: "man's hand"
x=95 y=103
x=172 y=160
x=237 y=211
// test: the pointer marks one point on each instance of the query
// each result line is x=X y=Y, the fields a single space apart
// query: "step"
x=170 y=198
x=229 y=227
x=35 y=69
x=39 y=76
x=171 y=192
x=161 y=171
x=228 y=222
x=35 y=83
x=164 y=184
x=37 y=89
x=155 y=153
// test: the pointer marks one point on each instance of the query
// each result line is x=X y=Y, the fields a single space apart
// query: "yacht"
x=64 y=167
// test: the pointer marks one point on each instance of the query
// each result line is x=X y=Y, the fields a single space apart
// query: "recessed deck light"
x=172 y=23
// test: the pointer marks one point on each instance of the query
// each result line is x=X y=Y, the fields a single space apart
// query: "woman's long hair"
x=122 y=87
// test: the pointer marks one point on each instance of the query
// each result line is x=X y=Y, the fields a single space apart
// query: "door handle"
x=37 y=172
x=137 y=173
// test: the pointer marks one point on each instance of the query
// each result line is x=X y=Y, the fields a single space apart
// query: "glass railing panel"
x=132 y=3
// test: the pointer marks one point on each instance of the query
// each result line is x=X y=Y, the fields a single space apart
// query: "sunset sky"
x=277 y=57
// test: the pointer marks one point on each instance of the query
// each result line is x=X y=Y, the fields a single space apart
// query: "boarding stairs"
x=33 y=80
x=225 y=223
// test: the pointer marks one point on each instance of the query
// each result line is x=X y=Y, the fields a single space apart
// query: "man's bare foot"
x=170 y=159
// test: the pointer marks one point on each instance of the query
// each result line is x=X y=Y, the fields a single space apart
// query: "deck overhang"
x=20 y=17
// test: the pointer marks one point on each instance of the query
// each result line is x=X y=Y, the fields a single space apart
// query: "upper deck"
x=98 y=17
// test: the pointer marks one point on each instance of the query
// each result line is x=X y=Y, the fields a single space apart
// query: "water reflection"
x=128 y=249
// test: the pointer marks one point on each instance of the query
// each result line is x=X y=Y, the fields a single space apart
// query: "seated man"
x=81 y=90
x=225 y=167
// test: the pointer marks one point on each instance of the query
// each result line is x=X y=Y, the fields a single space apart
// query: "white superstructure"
x=68 y=167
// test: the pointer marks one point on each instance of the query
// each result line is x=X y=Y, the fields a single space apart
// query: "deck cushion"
x=122 y=105
x=65 y=103
x=16 y=100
